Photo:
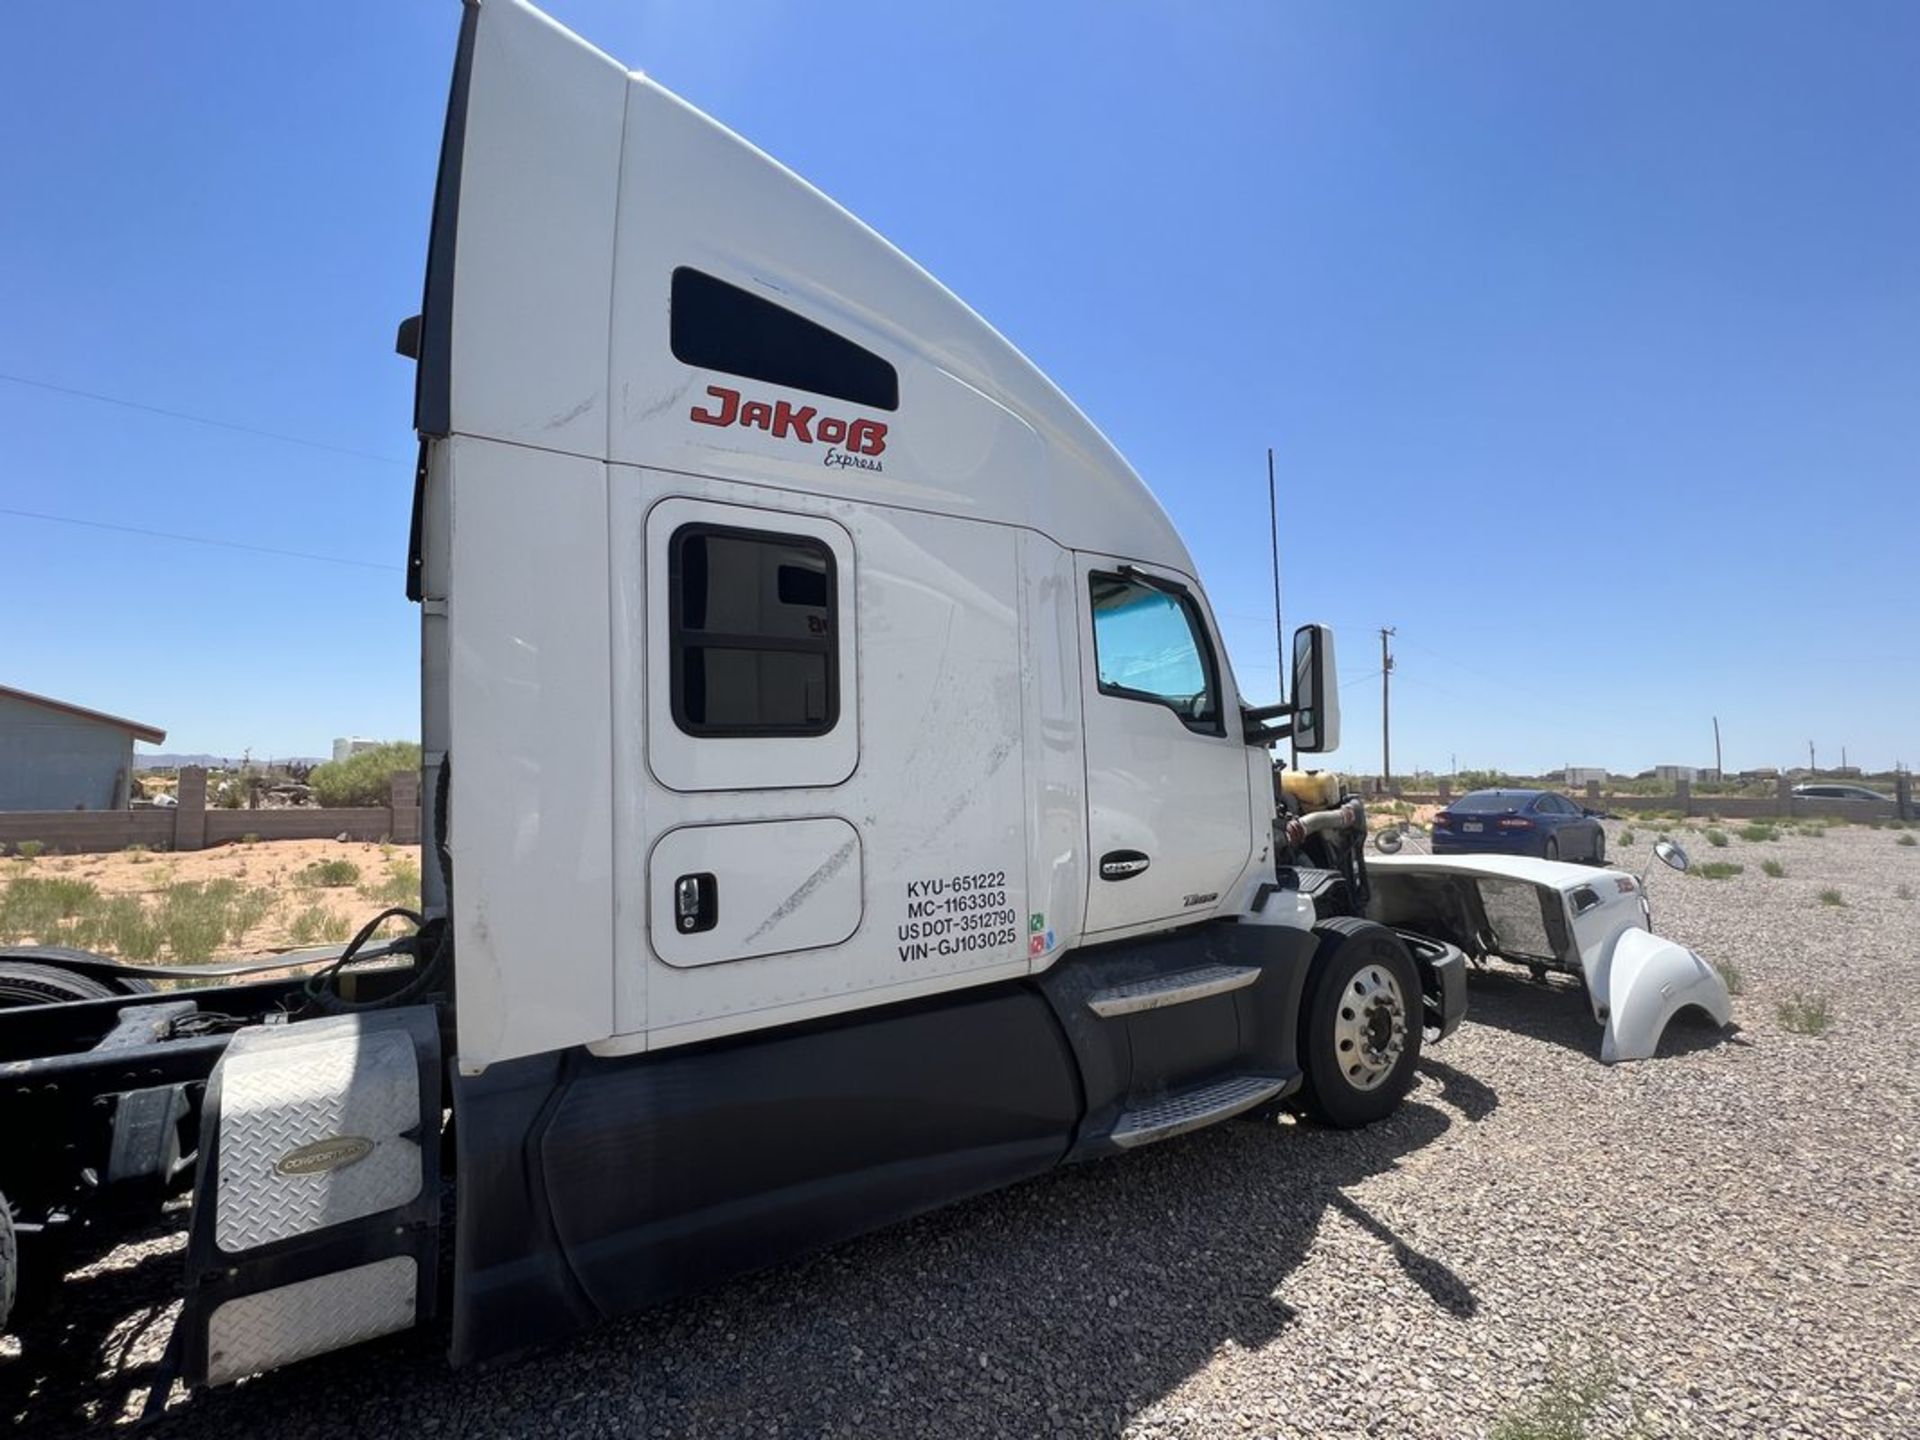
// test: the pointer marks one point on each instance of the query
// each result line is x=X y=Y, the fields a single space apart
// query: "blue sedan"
x=1519 y=822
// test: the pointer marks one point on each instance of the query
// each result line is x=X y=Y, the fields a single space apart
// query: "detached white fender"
x=1642 y=985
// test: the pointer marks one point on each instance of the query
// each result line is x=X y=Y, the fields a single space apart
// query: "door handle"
x=1122 y=864
x=696 y=902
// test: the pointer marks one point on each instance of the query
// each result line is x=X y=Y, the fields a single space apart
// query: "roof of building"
x=153 y=735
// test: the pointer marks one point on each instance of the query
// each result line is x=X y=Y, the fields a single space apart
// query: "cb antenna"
x=1273 y=534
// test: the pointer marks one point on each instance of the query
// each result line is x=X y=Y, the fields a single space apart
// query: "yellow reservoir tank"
x=1311 y=789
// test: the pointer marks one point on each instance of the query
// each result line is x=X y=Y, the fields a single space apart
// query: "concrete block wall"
x=192 y=826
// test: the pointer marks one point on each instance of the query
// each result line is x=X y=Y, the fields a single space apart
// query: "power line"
x=202 y=420
x=196 y=539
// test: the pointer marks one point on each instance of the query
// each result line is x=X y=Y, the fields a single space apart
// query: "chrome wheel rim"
x=1370 y=1027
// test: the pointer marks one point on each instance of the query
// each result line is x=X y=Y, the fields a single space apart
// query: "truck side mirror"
x=1316 y=691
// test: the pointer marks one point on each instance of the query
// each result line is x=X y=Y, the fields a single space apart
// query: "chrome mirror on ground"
x=1669 y=853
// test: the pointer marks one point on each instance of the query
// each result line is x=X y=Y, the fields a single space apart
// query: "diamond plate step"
x=1175 y=989
x=1186 y=1110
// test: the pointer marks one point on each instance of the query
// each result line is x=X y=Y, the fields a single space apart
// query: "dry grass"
x=1805 y=1013
x=249 y=899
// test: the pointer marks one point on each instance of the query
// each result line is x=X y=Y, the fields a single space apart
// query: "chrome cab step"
x=1201 y=1105
x=1175 y=989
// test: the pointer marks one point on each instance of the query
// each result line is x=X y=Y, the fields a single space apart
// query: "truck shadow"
x=1060 y=1305
x=1556 y=1011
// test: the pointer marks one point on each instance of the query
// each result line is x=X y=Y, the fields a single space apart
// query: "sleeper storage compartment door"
x=731 y=892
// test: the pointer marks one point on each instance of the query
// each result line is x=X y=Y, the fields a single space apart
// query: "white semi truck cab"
x=840 y=798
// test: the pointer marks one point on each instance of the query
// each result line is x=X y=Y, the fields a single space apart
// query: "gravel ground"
x=1731 y=1228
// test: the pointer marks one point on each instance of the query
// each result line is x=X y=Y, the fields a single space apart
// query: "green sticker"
x=1036 y=922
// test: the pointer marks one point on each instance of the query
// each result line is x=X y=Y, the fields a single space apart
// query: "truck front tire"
x=1360 y=1024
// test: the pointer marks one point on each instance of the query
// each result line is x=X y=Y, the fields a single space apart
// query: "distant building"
x=57 y=756
x=1763 y=772
x=1585 y=774
x=347 y=747
x=1689 y=773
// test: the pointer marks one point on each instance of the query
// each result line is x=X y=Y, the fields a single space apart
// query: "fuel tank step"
x=1175 y=989
x=1190 y=1109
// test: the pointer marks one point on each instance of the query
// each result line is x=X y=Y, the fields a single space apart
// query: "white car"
x=1545 y=915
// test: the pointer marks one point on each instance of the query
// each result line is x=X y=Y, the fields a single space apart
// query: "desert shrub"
x=1718 y=870
x=401 y=887
x=31 y=849
x=247 y=910
x=1565 y=1409
x=1626 y=837
x=1832 y=897
x=317 y=922
x=1730 y=973
x=250 y=838
x=363 y=779
x=328 y=874
x=70 y=896
x=1758 y=832
x=32 y=908
x=195 y=916
x=120 y=926
x=1805 y=1014
x=28 y=910
x=1717 y=838
x=1906 y=838
x=1774 y=868
x=304 y=926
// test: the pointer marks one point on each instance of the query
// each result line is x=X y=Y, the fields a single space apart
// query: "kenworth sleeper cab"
x=839 y=800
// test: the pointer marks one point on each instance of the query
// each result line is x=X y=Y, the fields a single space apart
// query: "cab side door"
x=1169 y=804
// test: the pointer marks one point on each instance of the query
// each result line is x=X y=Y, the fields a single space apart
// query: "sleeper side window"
x=718 y=326
x=752 y=629
x=1149 y=644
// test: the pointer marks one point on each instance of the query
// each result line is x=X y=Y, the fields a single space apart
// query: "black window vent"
x=718 y=326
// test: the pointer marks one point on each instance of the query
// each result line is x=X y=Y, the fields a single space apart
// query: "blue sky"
x=1588 y=339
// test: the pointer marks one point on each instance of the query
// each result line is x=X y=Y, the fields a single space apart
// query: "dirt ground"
x=1718 y=1242
x=282 y=867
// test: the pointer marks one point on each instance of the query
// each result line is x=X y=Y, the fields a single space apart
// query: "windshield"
x=1490 y=802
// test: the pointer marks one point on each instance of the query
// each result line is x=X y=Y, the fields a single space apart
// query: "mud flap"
x=316 y=1203
x=1443 y=982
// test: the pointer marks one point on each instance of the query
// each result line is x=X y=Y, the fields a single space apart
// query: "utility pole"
x=1273 y=534
x=1812 y=769
x=1386 y=673
x=1843 y=759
